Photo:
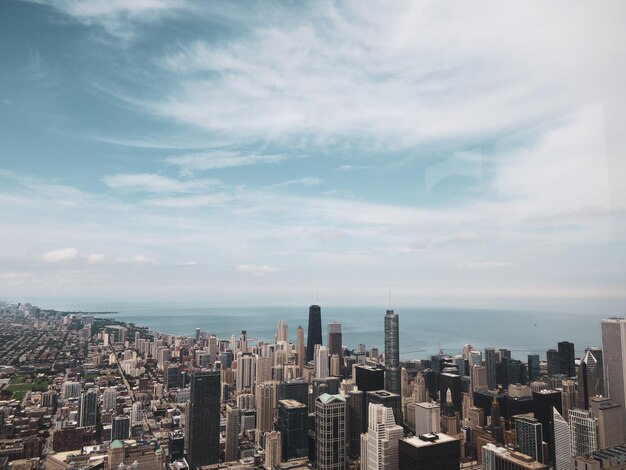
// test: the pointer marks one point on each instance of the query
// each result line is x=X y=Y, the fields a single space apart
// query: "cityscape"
x=312 y=235
x=82 y=391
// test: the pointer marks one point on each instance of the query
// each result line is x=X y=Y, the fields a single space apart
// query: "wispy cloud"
x=306 y=181
x=256 y=270
x=154 y=183
x=72 y=255
x=192 y=163
x=60 y=256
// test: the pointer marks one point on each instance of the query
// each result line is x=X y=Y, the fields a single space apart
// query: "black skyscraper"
x=392 y=353
x=204 y=419
x=552 y=356
x=293 y=426
x=567 y=365
x=314 y=333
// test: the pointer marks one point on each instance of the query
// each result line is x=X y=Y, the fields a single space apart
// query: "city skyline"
x=227 y=153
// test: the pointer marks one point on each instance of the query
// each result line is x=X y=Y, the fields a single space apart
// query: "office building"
x=335 y=339
x=588 y=383
x=109 y=399
x=388 y=399
x=529 y=437
x=533 y=367
x=204 y=419
x=499 y=458
x=554 y=362
x=567 y=365
x=543 y=402
x=282 y=332
x=233 y=427
x=314 y=333
x=392 y=353
x=292 y=423
x=427 y=418
x=330 y=432
x=490 y=364
x=273 y=450
x=246 y=372
x=583 y=431
x=88 y=408
x=265 y=397
x=561 y=454
x=356 y=421
x=614 y=353
x=321 y=362
x=598 y=356
x=176 y=445
x=609 y=415
x=369 y=378
x=300 y=348
x=379 y=446
x=295 y=389
x=429 y=452
x=120 y=428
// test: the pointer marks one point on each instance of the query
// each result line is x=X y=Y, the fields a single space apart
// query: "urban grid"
x=80 y=391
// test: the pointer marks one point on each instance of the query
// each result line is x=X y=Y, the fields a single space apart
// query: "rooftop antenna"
x=389 y=299
x=317 y=296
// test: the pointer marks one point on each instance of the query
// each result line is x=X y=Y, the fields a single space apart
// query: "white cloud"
x=155 y=183
x=194 y=162
x=462 y=238
x=256 y=270
x=60 y=256
x=306 y=181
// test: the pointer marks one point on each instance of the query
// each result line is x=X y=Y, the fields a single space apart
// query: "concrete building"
x=379 y=446
x=429 y=452
x=330 y=432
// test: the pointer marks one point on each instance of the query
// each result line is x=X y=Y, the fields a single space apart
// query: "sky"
x=271 y=153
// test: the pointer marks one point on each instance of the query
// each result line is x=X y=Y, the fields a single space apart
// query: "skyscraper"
x=330 y=432
x=379 y=446
x=490 y=364
x=273 y=450
x=204 y=419
x=529 y=437
x=427 y=418
x=614 y=352
x=562 y=452
x=597 y=354
x=293 y=426
x=429 y=452
x=392 y=353
x=300 y=348
x=321 y=362
x=265 y=398
x=583 y=431
x=120 y=428
x=88 y=408
x=335 y=339
x=567 y=366
x=533 y=367
x=314 y=333
x=554 y=362
x=233 y=426
x=282 y=333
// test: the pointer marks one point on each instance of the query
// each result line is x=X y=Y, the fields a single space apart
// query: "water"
x=422 y=330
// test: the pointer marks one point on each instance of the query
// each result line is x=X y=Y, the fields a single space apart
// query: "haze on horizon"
x=250 y=153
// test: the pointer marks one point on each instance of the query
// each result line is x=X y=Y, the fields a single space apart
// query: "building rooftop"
x=429 y=439
x=327 y=398
x=290 y=403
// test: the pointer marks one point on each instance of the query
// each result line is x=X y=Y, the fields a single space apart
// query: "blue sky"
x=253 y=152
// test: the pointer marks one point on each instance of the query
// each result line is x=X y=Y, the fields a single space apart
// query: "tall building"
x=300 y=348
x=109 y=399
x=204 y=419
x=356 y=420
x=293 y=426
x=542 y=404
x=490 y=364
x=497 y=458
x=330 y=432
x=282 y=333
x=314 y=333
x=609 y=414
x=562 y=448
x=597 y=354
x=429 y=452
x=136 y=413
x=88 y=408
x=265 y=398
x=567 y=366
x=246 y=371
x=529 y=437
x=427 y=418
x=583 y=432
x=322 y=369
x=533 y=367
x=554 y=362
x=233 y=427
x=379 y=446
x=587 y=380
x=392 y=353
x=243 y=341
x=120 y=428
x=273 y=450
x=335 y=339
x=614 y=352
x=388 y=399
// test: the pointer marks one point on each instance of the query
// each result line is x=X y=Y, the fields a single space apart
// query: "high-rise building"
x=529 y=436
x=533 y=367
x=293 y=426
x=392 y=353
x=204 y=419
x=562 y=448
x=427 y=418
x=322 y=369
x=542 y=403
x=330 y=432
x=88 y=408
x=356 y=421
x=567 y=366
x=335 y=339
x=109 y=399
x=265 y=398
x=71 y=390
x=554 y=362
x=282 y=333
x=295 y=389
x=388 y=399
x=243 y=341
x=233 y=426
x=609 y=415
x=136 y=413
x=379 y=446
x=273 y=450
x=597 y=354
x=120 y=428
x=490 y=364
x=314 y=333
x=583 y=431
x=246 y=371
x=429 y=452
x=614 y=353
x=300 y=348
x=497 y=458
